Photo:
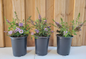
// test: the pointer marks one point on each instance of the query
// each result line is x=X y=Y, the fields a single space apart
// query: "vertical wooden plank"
x=50 y=15
x=40 y=4
x=19 y=7
x=1 y=25
x=79 y=8
x=84 y=28
x=59 y=12
x=30 y=11
x=69 y=12
x=84 y=36
x=8 y=14
x=9 y=7
x=67 y=9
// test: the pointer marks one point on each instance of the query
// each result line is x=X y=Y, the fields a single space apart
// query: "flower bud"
x=58 y=25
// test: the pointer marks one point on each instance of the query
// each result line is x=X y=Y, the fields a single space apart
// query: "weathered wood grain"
x=51 y=9
x=1 y=25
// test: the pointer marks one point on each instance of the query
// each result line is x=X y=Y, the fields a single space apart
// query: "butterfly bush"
x=16 y=28
x=67 y=30
x=42 y=28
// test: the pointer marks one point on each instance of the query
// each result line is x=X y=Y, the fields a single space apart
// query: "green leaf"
x=53 y=20
x=37 y=10
x=79 y=15
x=61 y=19
x=6 y=20
x=75 y=34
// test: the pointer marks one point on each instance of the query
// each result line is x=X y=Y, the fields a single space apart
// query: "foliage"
x=66 y=30
x=16 y=28
x=42 y=28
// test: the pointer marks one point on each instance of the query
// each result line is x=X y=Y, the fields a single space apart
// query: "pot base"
x=62 y=54
x=19 y=55
x=41 y=54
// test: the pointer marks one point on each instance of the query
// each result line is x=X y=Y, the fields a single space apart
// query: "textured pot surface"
x=63 y=45
x=41 y=45
x=19 y=45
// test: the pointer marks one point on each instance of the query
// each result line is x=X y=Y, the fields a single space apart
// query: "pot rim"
x=42 y=37
x=62 y=36
x=18 y=37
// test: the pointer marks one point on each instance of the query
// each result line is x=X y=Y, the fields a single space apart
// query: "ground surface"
x=75 y=53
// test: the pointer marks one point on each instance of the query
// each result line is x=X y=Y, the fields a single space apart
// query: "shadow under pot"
x=41 y=45
x=19 y=46
x=63 y=45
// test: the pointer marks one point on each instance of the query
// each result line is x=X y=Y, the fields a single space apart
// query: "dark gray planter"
x=19 y=46
x=63 y=45
x=41 y=45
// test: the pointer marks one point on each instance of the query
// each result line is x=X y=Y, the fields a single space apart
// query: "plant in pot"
x=18 y=32
x=66 y=33
x=42 y=35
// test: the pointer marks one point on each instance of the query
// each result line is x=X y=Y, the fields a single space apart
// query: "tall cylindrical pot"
x=63 y=45
x=41 y=45
x=19 y=46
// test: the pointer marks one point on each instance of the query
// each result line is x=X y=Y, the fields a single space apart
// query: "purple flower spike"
x=58 y=25
x=15 y=31
x=32 y=22
x=32 y=33
x=20 y=31
x=80 y=29
x=36 y=23
x=65 y=32
x=39 y=17
x=8 y=21
x=37 y=31
x=17 y=24
x=20 y=24
x=52 y=31
x=81 y=24
x=46 y=29
x=10 y=32
x=45 y=20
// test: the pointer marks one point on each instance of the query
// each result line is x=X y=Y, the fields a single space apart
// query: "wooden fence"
x=51 y=9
